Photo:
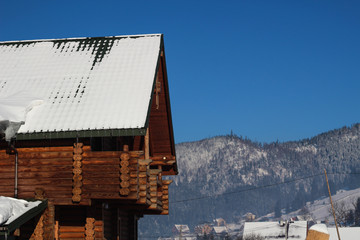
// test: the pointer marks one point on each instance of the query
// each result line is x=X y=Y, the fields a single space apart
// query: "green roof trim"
x=7 y=229
x=83 y=134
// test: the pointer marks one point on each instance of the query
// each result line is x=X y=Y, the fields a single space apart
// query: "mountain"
x=228 y=176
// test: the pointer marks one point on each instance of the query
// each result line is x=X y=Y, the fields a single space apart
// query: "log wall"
x=76 y=181
x=76 y=176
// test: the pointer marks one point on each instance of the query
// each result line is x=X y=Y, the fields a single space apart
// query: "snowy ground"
x=319 y=209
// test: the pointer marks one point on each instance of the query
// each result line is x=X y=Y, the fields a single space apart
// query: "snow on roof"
x=11 y=208
x=84 y=84
x=348 y=233
x=273 y=230
x=182 y=228
x=220 y=229
x=320 y=228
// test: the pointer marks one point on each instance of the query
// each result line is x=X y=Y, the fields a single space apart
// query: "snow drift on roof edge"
x=13 y=111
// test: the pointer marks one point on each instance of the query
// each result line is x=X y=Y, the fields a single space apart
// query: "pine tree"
x=278 y=209
x=357 y=213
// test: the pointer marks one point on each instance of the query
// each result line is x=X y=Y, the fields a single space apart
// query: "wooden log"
x=38 y=175
x=44 y=162
x=50 y=149
x=140 y=174
x=100 y=168
x=101 y=187
x=115 y=154
x=99 y=175
x=72 y=236
x=146 y=143
x=133 y=181
x=31 y=182
x=44 y=155
x=124 y=191
x=100 y=161
x=144 y=162
x=39 y=231
x=125 y=184
x=163 y=157
x=163 y=163
x=90 y=229
x=100 y=181
x=124 y=170
x=48 y=168
x=70 y=229
x=77 y=171
x=167 y=182
x=112 y=195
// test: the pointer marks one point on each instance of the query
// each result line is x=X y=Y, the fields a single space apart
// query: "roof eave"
x=82 y=134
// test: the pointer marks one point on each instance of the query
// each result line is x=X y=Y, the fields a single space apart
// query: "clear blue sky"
x=268 y=70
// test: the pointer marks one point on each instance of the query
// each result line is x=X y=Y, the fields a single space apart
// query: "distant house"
x=203 y=229
x=249 y=217
x=179 y=229
x=222 y=230
x=86 y=124
x=220 y=222
x=276 y=230
x=234 y=229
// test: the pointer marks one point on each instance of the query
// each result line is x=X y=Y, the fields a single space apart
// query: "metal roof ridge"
x=83 y=38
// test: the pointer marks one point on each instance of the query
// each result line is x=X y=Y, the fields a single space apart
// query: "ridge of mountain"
x=224 y=176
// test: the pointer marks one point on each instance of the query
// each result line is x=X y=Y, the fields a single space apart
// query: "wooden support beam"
x=147 y=146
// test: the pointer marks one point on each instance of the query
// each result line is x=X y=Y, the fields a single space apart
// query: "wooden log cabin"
x=86 y=124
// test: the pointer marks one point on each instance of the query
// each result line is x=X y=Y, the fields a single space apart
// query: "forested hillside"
x=228 y=176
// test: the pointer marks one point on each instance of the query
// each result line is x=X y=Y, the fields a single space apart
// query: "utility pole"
x=287 y=225
x=332 y=206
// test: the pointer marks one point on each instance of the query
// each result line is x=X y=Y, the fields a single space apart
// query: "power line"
x=259 y=187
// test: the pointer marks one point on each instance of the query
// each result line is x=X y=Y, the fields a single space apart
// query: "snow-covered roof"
x=11 y=208
x=81 y=84
x=220 y=229
x=273 y=230
x=348 y=233
x=182 y=228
